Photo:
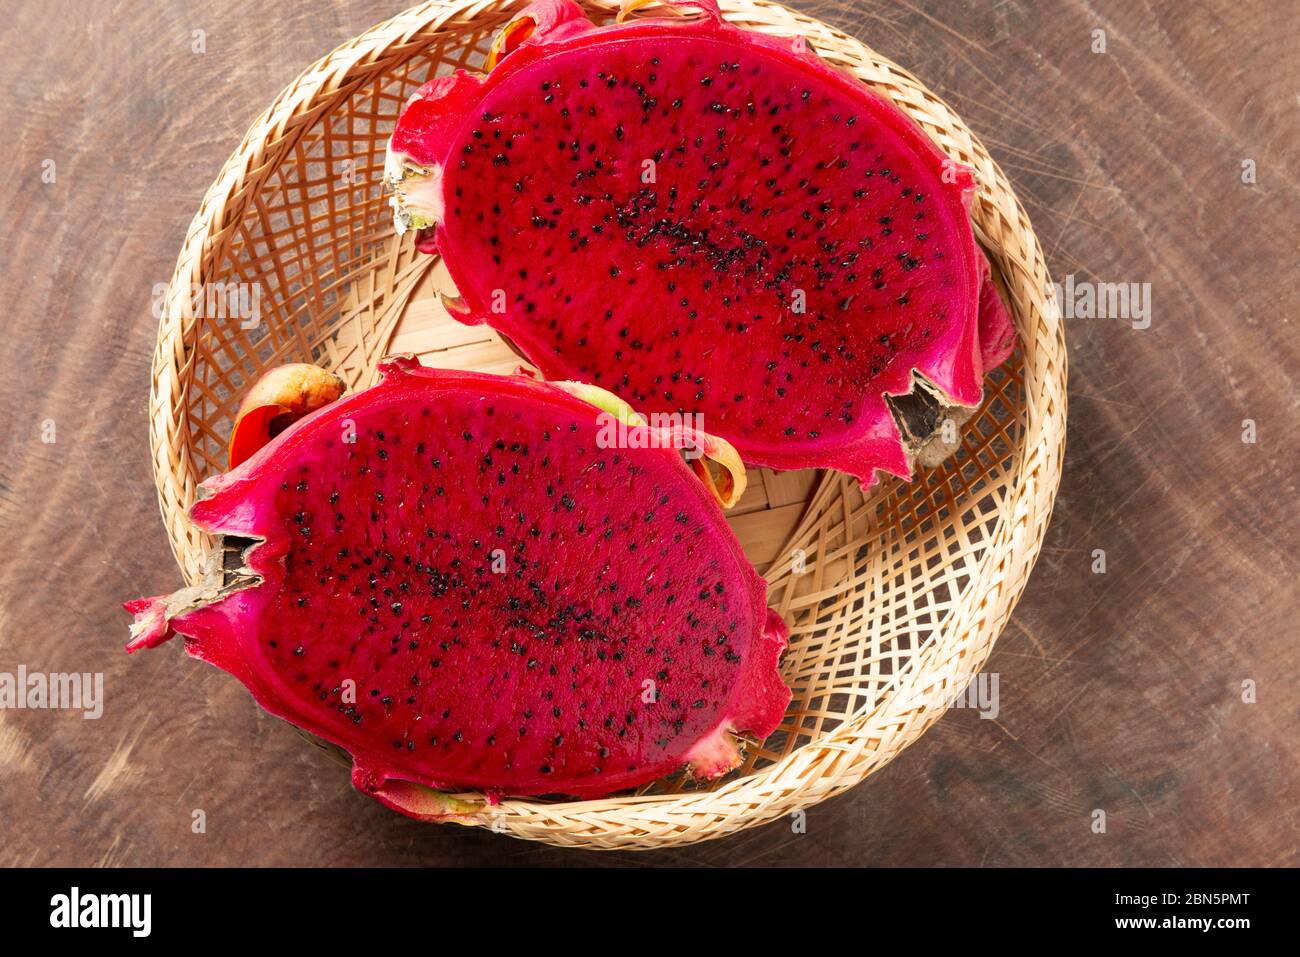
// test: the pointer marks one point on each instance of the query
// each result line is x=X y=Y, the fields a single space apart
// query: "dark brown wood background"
x=1120 y=691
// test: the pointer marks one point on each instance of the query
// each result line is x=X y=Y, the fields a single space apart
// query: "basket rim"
x=814 y=771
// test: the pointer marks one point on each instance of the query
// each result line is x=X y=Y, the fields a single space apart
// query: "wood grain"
x=1119 y=691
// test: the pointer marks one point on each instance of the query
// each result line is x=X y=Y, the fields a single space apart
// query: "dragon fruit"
x=487 y=582
x=708 y=220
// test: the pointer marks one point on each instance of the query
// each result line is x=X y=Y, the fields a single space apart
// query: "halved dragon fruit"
x=704 y=219
x=473 y=581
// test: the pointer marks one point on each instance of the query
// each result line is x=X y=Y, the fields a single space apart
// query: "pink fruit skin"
x=376 y=566
x=835 y=193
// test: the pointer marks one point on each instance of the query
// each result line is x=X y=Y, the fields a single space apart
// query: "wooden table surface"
x=1120 y=691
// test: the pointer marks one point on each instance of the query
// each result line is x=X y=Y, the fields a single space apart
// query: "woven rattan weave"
x=894 y=596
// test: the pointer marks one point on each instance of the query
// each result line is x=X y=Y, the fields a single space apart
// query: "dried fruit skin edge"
x=280 y=397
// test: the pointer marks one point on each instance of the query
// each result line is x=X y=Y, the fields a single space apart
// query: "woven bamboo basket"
x=894 y=596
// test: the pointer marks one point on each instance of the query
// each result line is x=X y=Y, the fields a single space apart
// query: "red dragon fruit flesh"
x=480 y=582
x=704 y=219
